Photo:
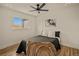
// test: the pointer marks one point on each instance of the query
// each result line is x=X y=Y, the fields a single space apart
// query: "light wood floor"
x=65 y=51
x=68 y=51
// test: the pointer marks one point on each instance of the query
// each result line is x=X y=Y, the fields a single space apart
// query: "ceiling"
x=22 y=7
x=25 y=7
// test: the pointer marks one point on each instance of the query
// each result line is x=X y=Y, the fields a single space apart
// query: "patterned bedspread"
x=40 y=38
x=42 y=46
x=40 y=49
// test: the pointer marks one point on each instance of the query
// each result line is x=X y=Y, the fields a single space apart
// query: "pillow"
x=51 y=34
x=44 y=33
x=57 y=33
x=48 y=33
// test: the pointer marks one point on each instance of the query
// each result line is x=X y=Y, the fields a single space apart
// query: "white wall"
x=7 y=35
x=67 y=21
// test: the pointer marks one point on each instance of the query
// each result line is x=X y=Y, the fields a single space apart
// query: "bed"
x=43 y=46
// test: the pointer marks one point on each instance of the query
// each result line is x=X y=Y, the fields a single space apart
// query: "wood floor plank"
x=71 y=52
x=65 y=51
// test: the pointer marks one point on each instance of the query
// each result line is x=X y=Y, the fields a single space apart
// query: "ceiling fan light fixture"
x=39 y=7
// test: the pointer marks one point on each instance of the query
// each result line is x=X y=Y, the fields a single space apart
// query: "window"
x=17 y=23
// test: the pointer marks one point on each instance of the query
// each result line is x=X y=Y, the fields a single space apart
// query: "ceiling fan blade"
x=43 y=10
x=42 y=5
x=32 y=10
x=38 y=6
x=33 y=7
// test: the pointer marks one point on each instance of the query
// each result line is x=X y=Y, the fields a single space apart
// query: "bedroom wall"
x=0 y=26
x=8 y=36
x=67 y=21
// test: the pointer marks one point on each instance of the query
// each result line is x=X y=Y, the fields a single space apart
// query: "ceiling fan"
x=39 y=7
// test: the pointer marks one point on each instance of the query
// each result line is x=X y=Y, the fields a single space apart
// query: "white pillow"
x=51 y=34
x=44 y=33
